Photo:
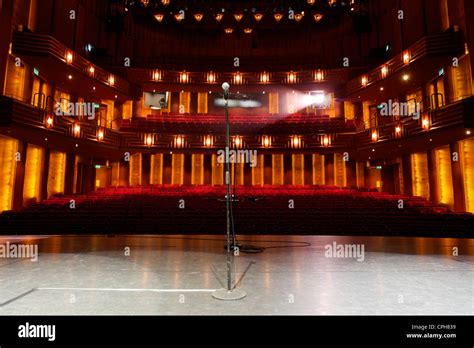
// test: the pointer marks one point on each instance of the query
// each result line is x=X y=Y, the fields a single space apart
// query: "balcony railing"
x=31 y=44
x=444 y=44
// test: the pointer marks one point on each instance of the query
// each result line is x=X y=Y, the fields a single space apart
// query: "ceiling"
x=243 y=16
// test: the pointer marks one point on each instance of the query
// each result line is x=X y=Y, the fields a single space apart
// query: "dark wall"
x=154 y=44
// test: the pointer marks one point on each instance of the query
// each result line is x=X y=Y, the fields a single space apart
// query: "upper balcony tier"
x=240 y=124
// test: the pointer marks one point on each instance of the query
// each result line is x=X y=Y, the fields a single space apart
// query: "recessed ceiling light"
x=70 y=77
x=468 y=132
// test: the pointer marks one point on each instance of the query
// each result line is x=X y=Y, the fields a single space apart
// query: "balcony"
x=55 y=61
x=420 y=60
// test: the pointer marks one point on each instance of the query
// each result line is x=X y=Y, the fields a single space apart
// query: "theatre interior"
x=345 y=185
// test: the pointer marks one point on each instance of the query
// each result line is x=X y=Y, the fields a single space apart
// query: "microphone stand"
x=230 y=293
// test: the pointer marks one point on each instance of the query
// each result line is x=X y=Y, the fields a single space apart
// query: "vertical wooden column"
x=124 y=173
x=458 y=180
x=329 y=168
x=69 y=173
x=146 y=169
x=20 y=176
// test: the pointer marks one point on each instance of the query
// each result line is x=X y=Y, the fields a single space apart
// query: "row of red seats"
x=316 y=210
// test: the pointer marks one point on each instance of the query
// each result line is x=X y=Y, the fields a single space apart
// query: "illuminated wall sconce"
x=426 y=123
x=325 y=140
x=228 y=30
x=238 y=79
x=179 y=16
x=258 y=17
x=291 y=78
x=76 y=130
x=156 y=75
x=208 y=141
x=49 y=122
x=165 y=2
x=218 y=16
x=248 y=30
x=198 y=16
x=398 y=131
x=406 y=57
x=266 y=141
x=69 y=57
x=100 y=135
x=319 y=76
x=311 y=2
x=149 y=140
x=299 y=17
x=318 y=17
x=295 y=142
x=111 y=80
x=384 y=71
x=264 y=77
x=159 y=17
x=179 y=141
x=238 y=16
x=184 y=77
x=211 y=77
x=237 y=140
x=91 y=71
x=278 y=17
x=375 y=136
x=364 y=81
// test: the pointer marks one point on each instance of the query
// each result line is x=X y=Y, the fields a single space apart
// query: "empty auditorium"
x=228 y=158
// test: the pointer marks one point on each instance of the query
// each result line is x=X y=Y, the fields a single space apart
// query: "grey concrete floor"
x=176 y=275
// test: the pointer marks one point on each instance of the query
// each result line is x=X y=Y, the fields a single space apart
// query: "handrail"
x=435 y=97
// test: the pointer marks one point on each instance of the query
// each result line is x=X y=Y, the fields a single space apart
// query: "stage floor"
x=295 y=275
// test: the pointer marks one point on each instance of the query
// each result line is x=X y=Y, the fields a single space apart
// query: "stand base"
x=226 y=295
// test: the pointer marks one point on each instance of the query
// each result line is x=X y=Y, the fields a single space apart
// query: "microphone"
x=226 y=87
